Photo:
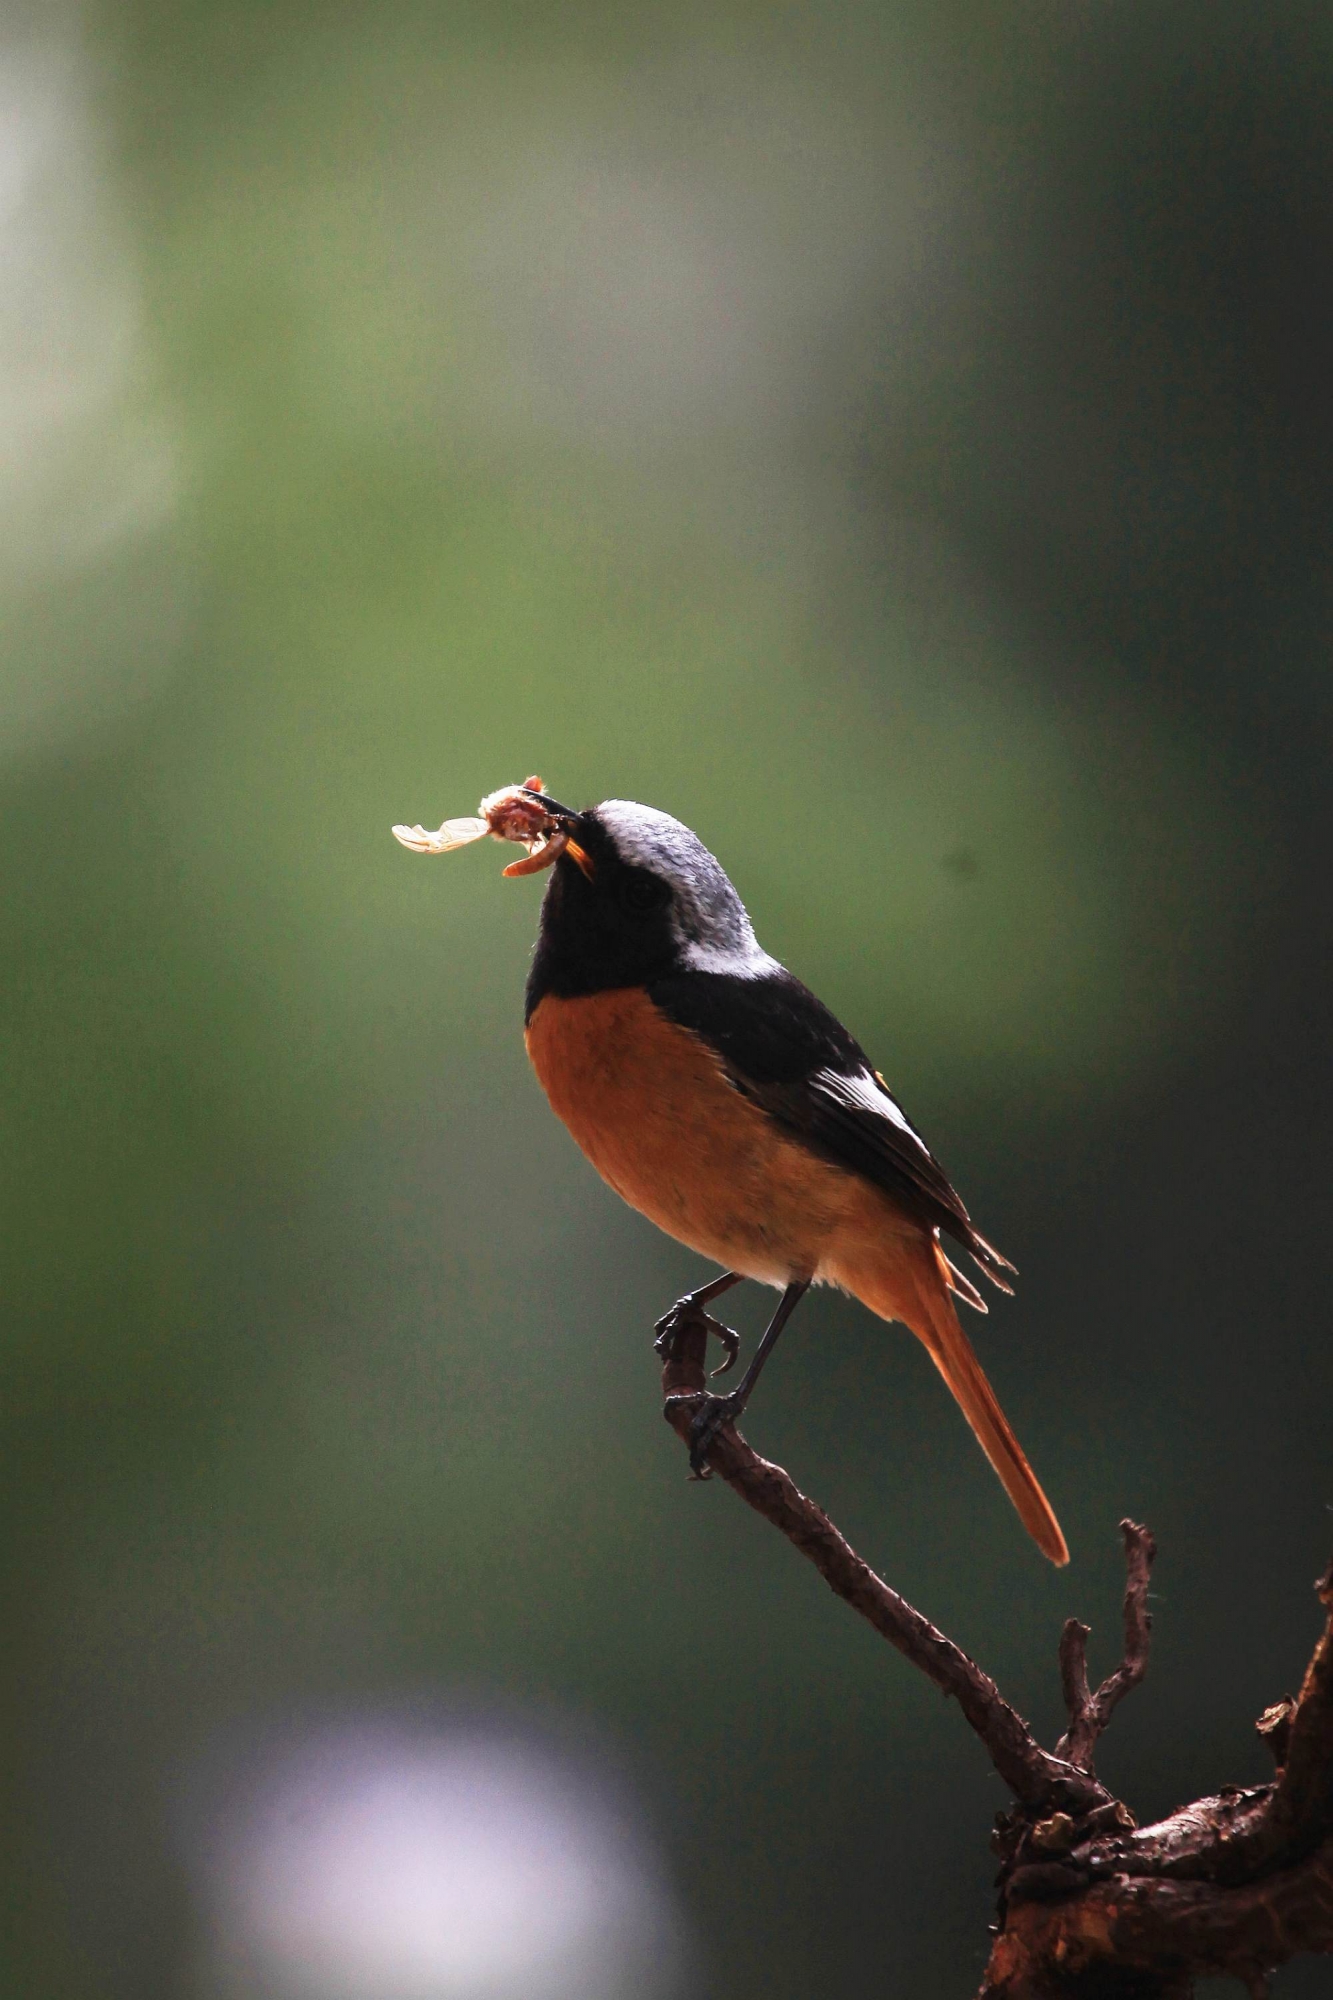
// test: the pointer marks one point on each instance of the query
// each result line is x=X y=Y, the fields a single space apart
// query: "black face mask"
x=612 y=930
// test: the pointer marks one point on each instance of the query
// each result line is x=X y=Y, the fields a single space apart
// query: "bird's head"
x=633 y=894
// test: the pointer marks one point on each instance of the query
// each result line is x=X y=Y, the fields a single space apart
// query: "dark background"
x=895 y=439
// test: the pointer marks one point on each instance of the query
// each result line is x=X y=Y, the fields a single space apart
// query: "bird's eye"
x=641 y=893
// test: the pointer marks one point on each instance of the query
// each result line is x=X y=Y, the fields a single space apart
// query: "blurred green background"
x=895 y=439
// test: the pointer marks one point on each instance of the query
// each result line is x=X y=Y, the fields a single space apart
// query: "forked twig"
x=1238 y=1883
x=1090 y=1713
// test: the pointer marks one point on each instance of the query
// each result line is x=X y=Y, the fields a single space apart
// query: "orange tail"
x=935 y=1323
x=951 y=1351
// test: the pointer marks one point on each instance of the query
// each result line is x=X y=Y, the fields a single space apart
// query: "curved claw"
x=685 y=1313
x=730 y=1339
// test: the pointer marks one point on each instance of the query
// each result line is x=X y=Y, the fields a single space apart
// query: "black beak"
x=554 y=807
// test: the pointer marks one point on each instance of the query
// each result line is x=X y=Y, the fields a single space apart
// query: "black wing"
x=783 y=1049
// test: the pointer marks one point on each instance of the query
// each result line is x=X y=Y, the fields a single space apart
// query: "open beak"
x=554 y=807
x=558 y=843
x=549 y=852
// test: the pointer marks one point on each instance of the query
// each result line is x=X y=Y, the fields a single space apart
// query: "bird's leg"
x=690 y=1310
x=718 y=1410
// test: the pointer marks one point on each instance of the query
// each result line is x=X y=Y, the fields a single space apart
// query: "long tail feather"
x=951 y=1351
x=908 y=1278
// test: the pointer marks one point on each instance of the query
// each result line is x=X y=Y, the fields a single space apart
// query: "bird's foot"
x=686 y=1313
x=709 y=1418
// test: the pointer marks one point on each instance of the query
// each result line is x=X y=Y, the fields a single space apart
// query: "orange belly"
x=651 y=1107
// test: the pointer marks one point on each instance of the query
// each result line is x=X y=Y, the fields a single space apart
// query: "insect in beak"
x=550 y=850
x=521 y=813
x=454 y=833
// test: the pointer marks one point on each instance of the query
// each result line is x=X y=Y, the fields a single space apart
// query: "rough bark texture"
x=1092 y=1906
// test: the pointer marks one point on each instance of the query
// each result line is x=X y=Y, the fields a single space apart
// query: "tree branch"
x=1302 y=1809
x=1034 y=1776
x=1090 y=1713
x=1151 y=1939
x=1092 y=1907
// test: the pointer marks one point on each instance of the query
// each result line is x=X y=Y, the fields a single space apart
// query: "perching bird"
x=718 y=1096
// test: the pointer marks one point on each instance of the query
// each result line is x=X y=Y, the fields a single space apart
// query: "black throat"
x=611 y=931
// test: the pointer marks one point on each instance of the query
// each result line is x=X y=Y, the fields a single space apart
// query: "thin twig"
x=1090 y=1713
x=1140 y=1554
x=1274 y=1725
x=1235 y=1883
x=1300 y=1814
x=1036 y=1778
x=1074 y=1685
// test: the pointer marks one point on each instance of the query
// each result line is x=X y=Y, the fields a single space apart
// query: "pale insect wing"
x=454 y=833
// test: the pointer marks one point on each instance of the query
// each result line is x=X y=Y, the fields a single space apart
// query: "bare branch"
x=1090 y=1902
x=1140 y=1554
x=1090 y=1713
x=1034 y=1776
x=1274 y=1725
x=1302 y=1809
x=1282 y=1824
x=1074 y=1683
x=1298 y=1815
x=1156 y=1936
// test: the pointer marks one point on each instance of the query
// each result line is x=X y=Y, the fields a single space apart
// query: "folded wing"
x=782 y=1048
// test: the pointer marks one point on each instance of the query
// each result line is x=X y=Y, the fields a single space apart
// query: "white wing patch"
x=863 y=1092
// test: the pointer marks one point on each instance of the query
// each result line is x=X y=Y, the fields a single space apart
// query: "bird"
x=718 y=1096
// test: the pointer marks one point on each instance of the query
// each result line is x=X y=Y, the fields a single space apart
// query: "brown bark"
x=1093 y=1907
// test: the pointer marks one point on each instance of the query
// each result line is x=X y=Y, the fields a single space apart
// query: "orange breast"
x=651 y=1107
